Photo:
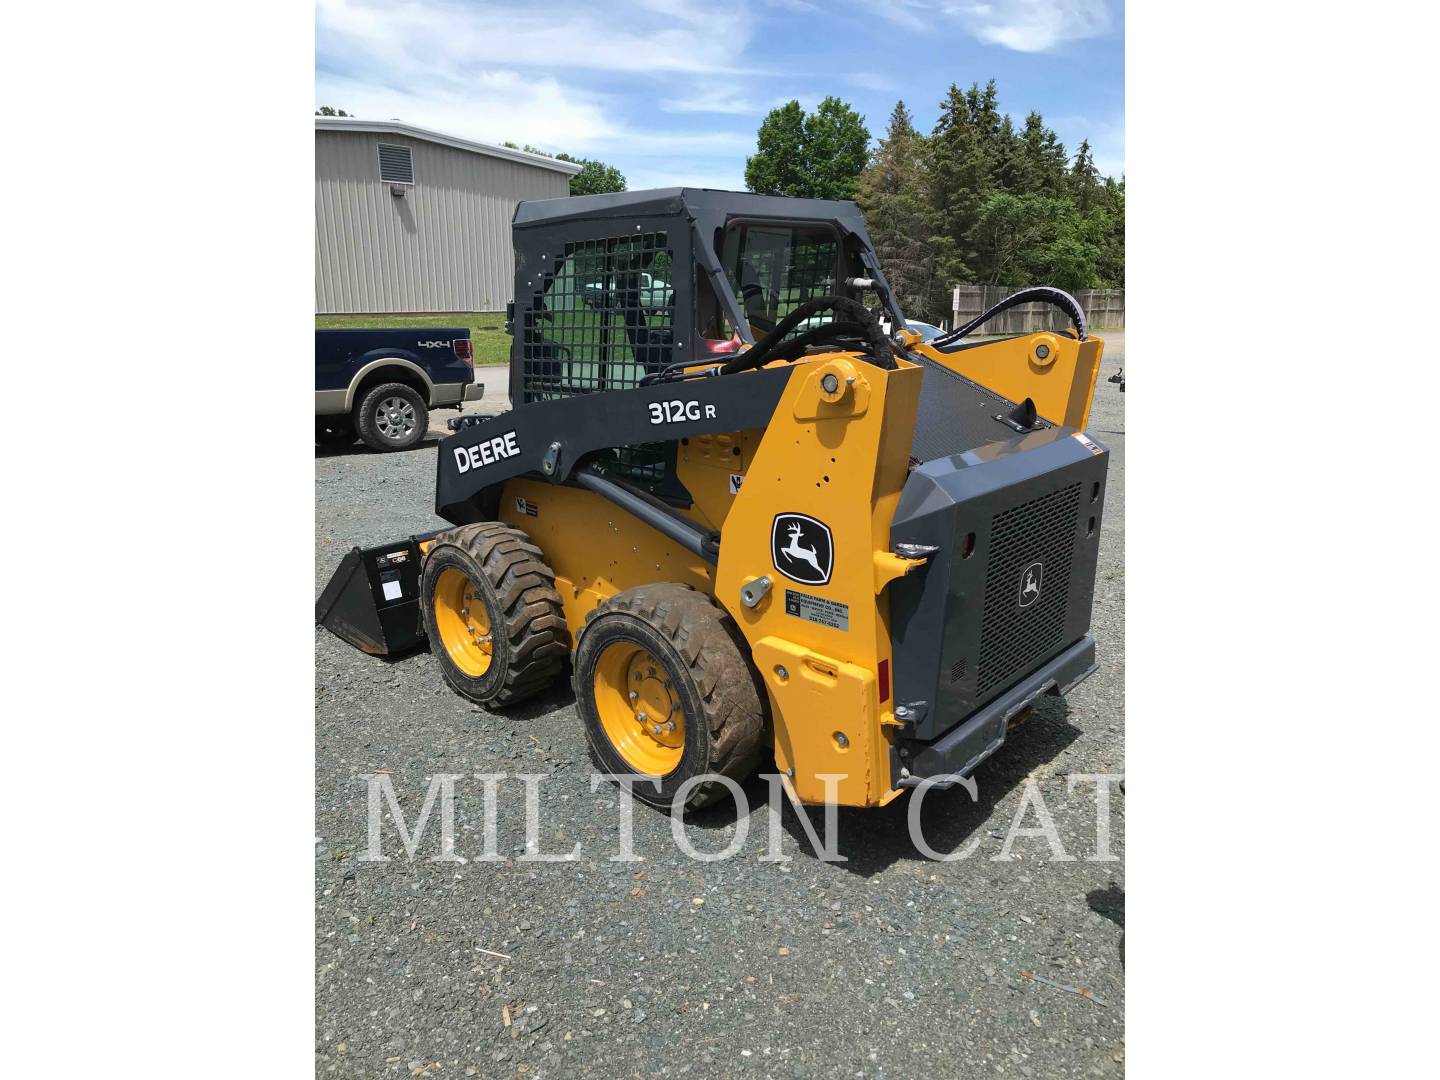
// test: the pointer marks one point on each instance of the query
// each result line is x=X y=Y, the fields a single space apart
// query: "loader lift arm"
x=550 y=438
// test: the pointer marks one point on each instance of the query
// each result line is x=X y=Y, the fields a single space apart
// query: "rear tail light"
x=463 y=349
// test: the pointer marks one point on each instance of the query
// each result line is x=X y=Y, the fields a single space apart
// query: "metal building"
x=412 y=220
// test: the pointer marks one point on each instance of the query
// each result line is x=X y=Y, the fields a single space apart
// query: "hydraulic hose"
x=1044 y=294
x=768 y=347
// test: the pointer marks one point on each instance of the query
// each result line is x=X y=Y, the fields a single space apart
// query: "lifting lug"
x=752 y=592
x=551 y=463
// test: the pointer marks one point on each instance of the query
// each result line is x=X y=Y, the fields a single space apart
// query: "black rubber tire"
x=334 y=431
x=707 y=659
x=530 y=637
x=365 y=422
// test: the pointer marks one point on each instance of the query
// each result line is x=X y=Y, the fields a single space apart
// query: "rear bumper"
x=453 y=394
x=958 y=751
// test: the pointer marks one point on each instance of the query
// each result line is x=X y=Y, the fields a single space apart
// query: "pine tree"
x=1008 y=169
x=894 y=194
x=976 y=201
x=1084 y=178
x=1044 y=157
x=959 y=184
x=1112 y=249
x=989 y=126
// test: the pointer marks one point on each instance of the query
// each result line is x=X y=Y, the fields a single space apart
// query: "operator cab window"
x=774 y=268
x=603 y=318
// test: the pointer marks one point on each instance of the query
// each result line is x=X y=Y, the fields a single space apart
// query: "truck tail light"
x=464 y=350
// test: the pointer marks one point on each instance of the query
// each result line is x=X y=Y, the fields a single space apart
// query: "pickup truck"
x=380 y=385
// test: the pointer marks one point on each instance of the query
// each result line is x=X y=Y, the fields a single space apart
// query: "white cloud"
x=866 y=80
x=424 y=38
x=496 y=106
x=1036 y=25
x=911 y=14
x=477 y=70
x=710 y=99
x=1023 y=25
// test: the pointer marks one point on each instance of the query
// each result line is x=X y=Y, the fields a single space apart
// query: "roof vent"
x=395 y=165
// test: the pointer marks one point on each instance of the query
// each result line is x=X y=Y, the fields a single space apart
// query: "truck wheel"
x=392 y=416
x=334 y=431
x=665 y=688
x=492 y=614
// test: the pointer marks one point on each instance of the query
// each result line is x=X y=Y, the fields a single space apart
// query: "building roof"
x=395 y=127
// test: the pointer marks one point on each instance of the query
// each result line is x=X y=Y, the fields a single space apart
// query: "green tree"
x=326 y=110
x=818 y=156
x=959 y=185
x=893 y=193
x=778 y=164
x=594 y=178
x=1007 y=170
x=1042 y=156
x=988 y=125
x=1035 y=239
x=1112 y=249
x=1084 y=178
x=837 y=144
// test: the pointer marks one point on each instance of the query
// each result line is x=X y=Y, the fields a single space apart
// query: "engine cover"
x=1016 y=525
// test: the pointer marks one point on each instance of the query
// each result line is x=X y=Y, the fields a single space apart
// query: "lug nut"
x=633 y=695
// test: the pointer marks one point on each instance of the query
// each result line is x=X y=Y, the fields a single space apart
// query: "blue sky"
x=672 y=91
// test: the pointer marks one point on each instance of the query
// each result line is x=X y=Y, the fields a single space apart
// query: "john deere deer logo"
x=1030 y=579
x=802 y=549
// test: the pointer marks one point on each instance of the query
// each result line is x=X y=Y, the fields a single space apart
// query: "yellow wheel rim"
x=639 y=708
x=463 y=622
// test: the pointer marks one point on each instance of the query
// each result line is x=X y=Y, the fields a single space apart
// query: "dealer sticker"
x=1089 y=444
x=817 y=609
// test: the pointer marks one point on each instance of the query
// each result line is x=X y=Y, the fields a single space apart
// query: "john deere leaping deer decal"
x=802 y=549
x=1030 y=579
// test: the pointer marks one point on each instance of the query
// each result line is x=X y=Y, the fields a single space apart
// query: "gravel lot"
x=888 y=964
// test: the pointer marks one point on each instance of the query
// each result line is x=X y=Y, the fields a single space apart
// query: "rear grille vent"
x=957 y=670
x=1014 y=638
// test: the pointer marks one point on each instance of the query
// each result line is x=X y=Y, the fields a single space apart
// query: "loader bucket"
x=373 y=598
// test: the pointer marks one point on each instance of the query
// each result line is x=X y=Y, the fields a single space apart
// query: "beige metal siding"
x=443 y=246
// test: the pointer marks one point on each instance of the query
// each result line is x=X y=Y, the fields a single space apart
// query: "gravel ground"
x=888 y=964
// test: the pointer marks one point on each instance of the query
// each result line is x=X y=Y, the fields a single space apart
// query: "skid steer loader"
x=751 y=520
